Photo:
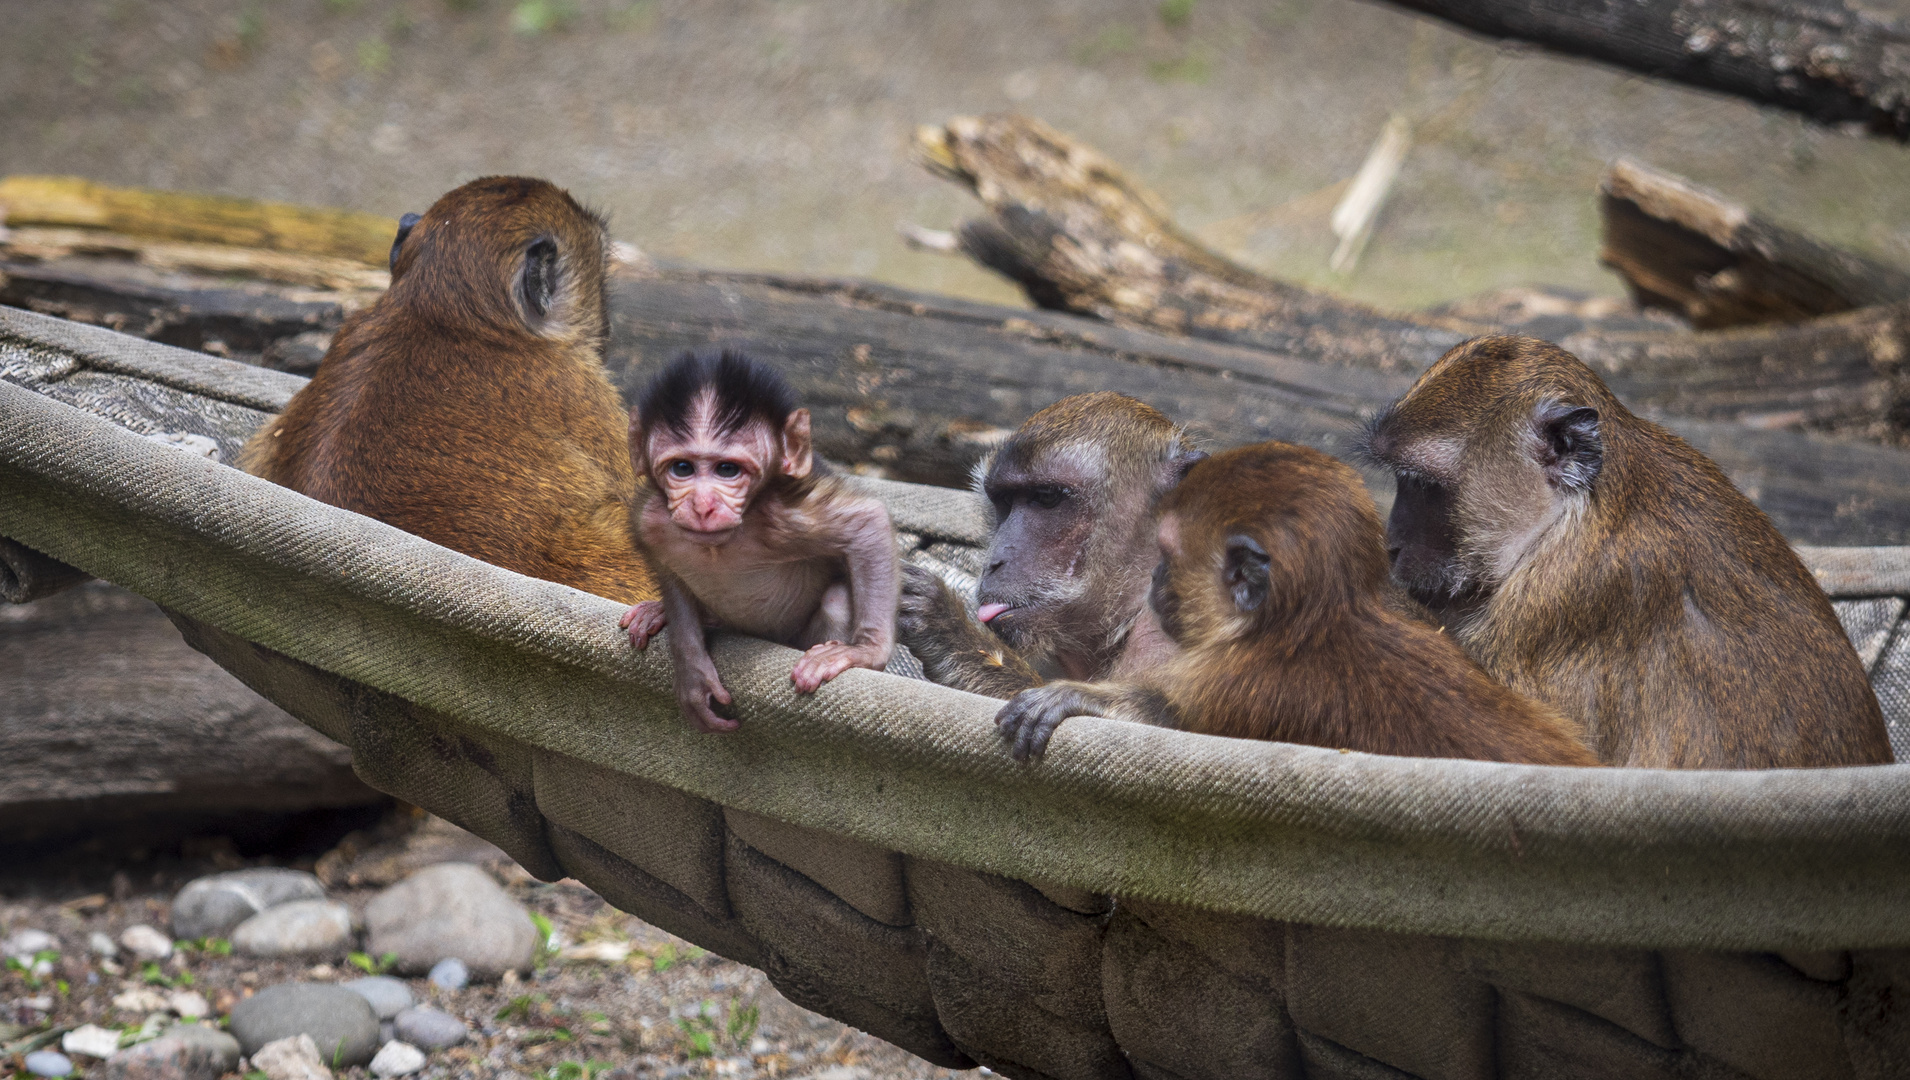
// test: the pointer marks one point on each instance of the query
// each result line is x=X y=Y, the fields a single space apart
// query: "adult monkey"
x=1599 y=563
x=1068 y=565
x=469 y=405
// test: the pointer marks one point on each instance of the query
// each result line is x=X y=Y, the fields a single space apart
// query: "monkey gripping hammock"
x=1283 y=911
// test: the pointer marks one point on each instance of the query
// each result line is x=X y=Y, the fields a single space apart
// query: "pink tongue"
x=988 y=611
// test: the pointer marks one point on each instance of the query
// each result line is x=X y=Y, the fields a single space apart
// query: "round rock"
x=48 y=1063
x=388 y=996
x=146 y=943
x=184 y=1052
x=397 y=1059
x=298 y=928
x=214 y=906
x=451 y=909
x=340 y=1022
x=449 y=974
x=429 y=1028
x=27 y=941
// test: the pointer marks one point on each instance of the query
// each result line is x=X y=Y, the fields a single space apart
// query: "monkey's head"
x=1263 y=537
x=1070 y=494
x=509 y=254
x=1497 y=443
x=711 y=432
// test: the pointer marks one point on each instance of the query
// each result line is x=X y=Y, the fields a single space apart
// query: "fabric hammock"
x=1280 y=910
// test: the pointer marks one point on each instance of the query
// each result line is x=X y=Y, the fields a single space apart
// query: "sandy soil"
x=666 y=1010
x=773 y=133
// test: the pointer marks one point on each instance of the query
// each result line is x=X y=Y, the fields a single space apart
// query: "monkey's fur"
x=1073 y=542
x=469 y=405
x=1599 y=563
x=1273 y=581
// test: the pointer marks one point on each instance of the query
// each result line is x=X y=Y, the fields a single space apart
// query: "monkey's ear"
x=1570 y=448
x=537 y=280
x=405 y=225
x=798 y=452
x=1246 y=572
x=1187 y=459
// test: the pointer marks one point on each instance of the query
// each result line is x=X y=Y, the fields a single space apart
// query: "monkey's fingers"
x=644 y=620
x=1028 y=722
x=822 y=663
x=705 y=717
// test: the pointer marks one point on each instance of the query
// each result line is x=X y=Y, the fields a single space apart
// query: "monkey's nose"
x=1392 y=556
x=996 y=565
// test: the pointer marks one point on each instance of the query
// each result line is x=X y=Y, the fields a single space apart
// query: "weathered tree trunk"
x=1835 y=62
x=1693 y=251
x=1080 y=235
x=108 y=717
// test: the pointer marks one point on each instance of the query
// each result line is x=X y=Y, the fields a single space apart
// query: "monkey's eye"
x=682 y=470
x=1047 y=497
x=728 y=470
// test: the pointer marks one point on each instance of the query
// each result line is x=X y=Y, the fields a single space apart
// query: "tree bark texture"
x=1833 y=61
x=1082 y=236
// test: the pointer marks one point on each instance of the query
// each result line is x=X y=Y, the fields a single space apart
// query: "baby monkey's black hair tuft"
x=744 y=389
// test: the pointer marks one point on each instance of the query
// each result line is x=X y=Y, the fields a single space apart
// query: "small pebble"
x=48 y=1063
x=146 y=943
x=188 y=1003
x=450 y=974
x=429 y=1028
x=139 y=999
x=388 y=996
x=24 y=943
x=294 y=1057
x=90 y=1040
x=397 y=1059
x=102 y=945
x=297 y=928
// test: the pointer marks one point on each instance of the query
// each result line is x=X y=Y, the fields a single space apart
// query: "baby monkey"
x=748 y=531
x=1273 y=581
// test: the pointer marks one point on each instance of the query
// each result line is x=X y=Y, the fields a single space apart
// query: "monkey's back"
x=508 y=450
x=1369 y=681
x=1695 y=636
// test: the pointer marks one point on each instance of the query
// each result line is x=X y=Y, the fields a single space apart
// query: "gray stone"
x=397 y=1059
x=48 y=1063
x=25 y=942
x=429 y=1028
x=146 y=943
x=184 y=1052
x=339 y=1021
x=451 y=909
x=214 y=906
x=388 y=996
x=298 y=928
x=449 y=974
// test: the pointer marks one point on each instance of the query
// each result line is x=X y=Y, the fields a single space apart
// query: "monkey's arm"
x=868 y=542
x=954 y=648
x=693 y=674
x=1029 y=721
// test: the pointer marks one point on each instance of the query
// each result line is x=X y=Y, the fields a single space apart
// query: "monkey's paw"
x=643 y=621
x=697 y=694
x=1030 y=718
x=927 y=605
x=830 y=659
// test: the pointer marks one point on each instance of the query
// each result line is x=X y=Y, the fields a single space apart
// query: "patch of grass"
x=210 y=946
x=374 y=55
x=27 y=968
x=702 y=1031
x=576 y=1070
x=533 y=17
x=153 y=975
x=1176 y=14
x=1193 y=67
x=251 y=25
x=373 y=966
x=519 y=1007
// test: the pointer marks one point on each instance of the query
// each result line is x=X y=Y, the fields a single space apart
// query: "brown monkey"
x=1066 y=580
x=469 y=405
x=1597 y=562
x=752 y=532
x=1273 y=580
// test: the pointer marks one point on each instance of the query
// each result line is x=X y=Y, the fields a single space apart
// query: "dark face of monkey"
x=1070 y=495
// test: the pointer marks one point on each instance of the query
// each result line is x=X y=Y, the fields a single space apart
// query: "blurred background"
x=774 y=135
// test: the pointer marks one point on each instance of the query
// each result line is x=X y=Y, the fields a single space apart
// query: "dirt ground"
x=668 y=1009
x=773 y=134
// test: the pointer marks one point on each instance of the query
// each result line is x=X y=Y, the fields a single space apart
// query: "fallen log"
x=1832 y=61
x=1080 y=235
x=1714 y=261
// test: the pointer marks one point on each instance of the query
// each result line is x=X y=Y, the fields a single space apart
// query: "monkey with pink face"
x=748 y=531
